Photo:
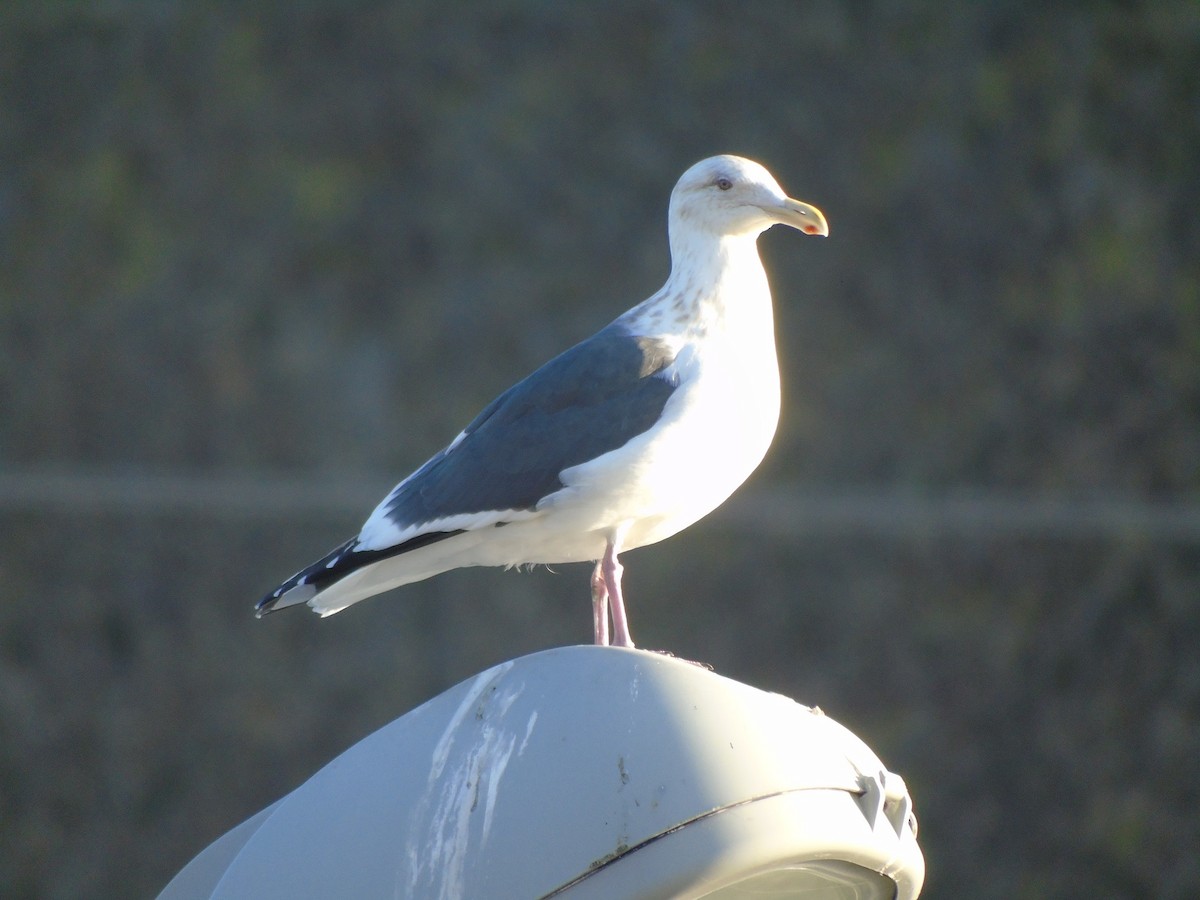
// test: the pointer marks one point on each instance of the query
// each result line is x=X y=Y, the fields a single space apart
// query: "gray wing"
x=585 y=402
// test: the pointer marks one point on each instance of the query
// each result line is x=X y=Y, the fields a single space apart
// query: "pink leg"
x=599 y=607
x=611 y=569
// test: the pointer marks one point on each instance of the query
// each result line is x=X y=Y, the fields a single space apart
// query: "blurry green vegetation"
x=317 y=237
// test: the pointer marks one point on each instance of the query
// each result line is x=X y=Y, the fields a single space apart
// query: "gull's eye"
x=724 y=183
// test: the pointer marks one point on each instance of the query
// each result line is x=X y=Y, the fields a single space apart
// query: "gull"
x=619 y=442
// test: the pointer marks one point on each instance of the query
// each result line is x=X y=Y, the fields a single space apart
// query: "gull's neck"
x=703 y=258
x=714 y=277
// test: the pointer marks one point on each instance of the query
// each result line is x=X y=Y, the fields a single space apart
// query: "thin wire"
x=780 y=511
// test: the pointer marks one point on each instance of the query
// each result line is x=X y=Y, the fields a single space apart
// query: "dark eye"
x=724 y=183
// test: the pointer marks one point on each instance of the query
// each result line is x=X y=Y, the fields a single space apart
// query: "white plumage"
x=620 y=442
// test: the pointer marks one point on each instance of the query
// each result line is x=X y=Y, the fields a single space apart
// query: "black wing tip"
x=264 y=606
x=306 y=583
x=270 y=603
x=293 y=592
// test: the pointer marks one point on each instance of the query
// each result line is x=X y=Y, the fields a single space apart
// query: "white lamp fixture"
x=584 y=772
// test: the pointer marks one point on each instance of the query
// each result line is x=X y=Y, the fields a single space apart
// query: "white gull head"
x=729 y=196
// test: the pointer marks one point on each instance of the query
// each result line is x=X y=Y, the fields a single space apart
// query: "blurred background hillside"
x=259 y=260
